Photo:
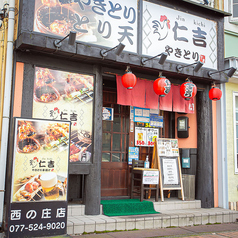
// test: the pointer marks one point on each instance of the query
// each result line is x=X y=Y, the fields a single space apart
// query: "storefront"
x=59 y=81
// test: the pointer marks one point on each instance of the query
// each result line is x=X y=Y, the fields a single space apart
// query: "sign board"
x=185 y=37
x=105 y=23
x=141 y=114
x=133 y=154
x=38 y=203
x=145 y=136
x=150 y=177
x=62 y=95
x=156 y=120
x=166 y=159
x=107 y=113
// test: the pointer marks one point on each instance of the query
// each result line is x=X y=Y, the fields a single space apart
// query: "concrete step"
x=170 y=216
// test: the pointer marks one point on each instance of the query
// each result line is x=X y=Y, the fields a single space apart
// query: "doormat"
x=126 y=207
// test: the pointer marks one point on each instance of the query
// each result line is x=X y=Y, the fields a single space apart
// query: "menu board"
x=60 y=95
x=38 y=200
x=166 y=159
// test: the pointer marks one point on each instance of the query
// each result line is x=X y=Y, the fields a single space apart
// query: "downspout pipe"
x=6 y=103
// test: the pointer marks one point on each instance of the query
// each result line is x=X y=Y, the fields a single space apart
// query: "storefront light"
x=161 y=86
x=215 y=93
x=128 y=79
x=188 y=90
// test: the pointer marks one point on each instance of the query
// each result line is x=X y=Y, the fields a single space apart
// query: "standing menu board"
x=166 y=159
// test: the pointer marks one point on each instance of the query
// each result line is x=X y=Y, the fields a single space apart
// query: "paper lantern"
x=161 y=86
x=188 y=90
x=215 y=93
x=129 y=80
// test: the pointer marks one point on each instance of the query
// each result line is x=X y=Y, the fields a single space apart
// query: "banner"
x=60 y=95
x=39 y=178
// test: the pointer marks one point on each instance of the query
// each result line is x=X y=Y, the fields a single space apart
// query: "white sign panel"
x=105 y=23
x=145 y=136
x=150 y=177
x=170 y=171
x=185 y=37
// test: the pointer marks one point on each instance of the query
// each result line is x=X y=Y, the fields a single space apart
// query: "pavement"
x=228 y=230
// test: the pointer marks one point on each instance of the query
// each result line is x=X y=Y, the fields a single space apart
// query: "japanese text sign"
x=105 y=23
x=185 y=37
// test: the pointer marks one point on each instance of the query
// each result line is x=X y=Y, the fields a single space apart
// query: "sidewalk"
x=228 y=230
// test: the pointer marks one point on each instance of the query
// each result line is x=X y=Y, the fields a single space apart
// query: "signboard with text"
x=185 y=37
x=145 y=136
x=105 y=23
x=61 y=95
x=39 y=178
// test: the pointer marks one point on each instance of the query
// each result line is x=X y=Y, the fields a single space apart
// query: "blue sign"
x=133 y=154
x=107 y=114
x=141 y=114
x=156 y=120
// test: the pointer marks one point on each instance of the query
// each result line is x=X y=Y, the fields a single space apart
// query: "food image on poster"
x=168 y=147
x=61 y=95
x=40 y=162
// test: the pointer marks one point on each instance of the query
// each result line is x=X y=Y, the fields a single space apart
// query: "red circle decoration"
x=161 y=86
x=129 y=80
x=188 y=90
x=215 y=93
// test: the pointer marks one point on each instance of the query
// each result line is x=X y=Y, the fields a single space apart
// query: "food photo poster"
x=62 y=95
x=40 y=160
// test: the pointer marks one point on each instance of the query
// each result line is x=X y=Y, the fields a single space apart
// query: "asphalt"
x=228 y=230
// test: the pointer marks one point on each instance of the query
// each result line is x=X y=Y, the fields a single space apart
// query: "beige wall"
x=232 y=177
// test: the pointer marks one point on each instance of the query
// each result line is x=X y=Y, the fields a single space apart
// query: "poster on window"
x=38 y=202
x=145 y=136
x=61 y=95
x=105 y=23
x=184 y=37
x=168 y=147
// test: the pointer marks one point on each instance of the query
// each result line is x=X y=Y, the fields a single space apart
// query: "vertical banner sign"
x=38 y=205
x=105 y=23
x=184 y=37
x=60 y=95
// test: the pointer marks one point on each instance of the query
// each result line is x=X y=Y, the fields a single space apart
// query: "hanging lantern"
x=128 y=79
x=215 y=93
x=188 y=90
x=161 y=86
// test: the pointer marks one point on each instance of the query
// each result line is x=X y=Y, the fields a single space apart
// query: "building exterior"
x=230 y=92
x=81 y=83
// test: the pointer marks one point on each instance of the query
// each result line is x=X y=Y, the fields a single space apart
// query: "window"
x=235 y=101
x=234 y=11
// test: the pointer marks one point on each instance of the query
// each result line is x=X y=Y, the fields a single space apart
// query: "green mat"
x=126 y=207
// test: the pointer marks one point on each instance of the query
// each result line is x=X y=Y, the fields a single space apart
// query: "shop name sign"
x=103 y=23
x=185 y=37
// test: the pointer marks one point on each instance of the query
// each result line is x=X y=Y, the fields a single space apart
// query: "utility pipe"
x=6 y=102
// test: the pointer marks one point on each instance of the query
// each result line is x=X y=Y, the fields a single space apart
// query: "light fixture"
x=161 y=86
x=230 y=73
x=188 y=89
x=128 y=80
x=198 y=66
x=71 y=41
x=215 y=93
x=119 y=48
x=163 y=57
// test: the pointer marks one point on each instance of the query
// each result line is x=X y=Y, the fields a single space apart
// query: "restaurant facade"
x=56 y=79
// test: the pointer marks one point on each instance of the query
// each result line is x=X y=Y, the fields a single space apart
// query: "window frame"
x=235 y=123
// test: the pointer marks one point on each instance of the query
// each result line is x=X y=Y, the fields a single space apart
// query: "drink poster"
x=145 y=136
x=61 y=95
x=39 y=178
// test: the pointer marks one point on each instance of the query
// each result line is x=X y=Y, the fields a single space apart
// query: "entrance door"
x=114 y=171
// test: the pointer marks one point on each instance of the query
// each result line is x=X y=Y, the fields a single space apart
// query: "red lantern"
x=215 y=93
x=161 y=86
x=188 y=90
x=129 y=80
